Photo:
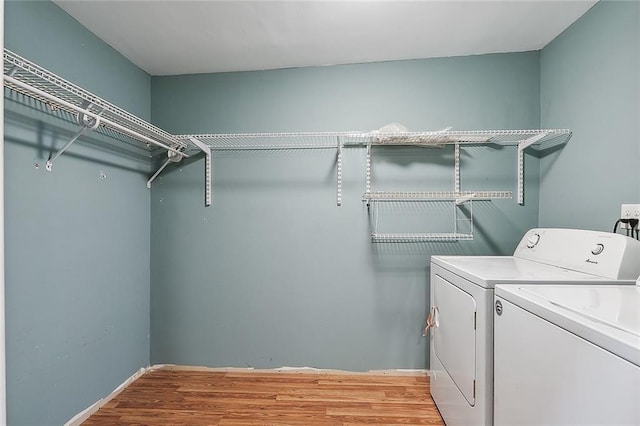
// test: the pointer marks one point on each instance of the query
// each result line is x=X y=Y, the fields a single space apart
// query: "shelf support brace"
x=87 y=122
x=339 y=174
x=522 y=145
x=208 y=169
x=172 y=158
x=463 y=199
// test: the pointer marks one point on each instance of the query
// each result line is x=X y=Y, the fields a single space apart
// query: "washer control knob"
x=533 y=240
x=597 y=249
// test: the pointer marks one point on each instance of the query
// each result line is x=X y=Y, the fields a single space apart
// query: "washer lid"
x=487 y=271
x=605 y=315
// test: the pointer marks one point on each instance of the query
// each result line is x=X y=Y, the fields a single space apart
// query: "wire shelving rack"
x=92 y=113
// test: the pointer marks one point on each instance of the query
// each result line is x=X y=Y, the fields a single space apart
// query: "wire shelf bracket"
x=367 y=190
x=208 y=169
x=456 y=167
x=339 y=173
x=522 y=145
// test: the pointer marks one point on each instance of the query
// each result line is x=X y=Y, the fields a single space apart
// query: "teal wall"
x=590 y=83
x=274 y=273
x=77 y=245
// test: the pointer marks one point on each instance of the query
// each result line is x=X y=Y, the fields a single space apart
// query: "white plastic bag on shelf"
x=397 y=134
x=392 y=128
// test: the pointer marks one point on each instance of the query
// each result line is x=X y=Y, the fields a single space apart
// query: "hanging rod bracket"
x=87 y=123
x=91 y=122
x=208 y=169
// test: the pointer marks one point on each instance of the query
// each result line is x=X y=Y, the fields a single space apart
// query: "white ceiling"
x=187 y=37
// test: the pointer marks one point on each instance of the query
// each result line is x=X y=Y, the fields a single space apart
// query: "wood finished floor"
x=170 y=396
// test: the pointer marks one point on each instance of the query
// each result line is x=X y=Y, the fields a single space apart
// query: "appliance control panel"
x=604 y=254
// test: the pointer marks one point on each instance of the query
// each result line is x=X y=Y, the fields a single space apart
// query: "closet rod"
x=110 y=123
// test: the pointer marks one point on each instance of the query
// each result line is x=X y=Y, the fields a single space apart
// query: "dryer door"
x=454 y=339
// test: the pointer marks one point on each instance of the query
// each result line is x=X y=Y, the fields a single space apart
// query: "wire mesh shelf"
x=324 y=140
x=380 y=196
x=27 y=78
x=272 y=141
x=458 y=221
x=380 y=237
x=470 y=137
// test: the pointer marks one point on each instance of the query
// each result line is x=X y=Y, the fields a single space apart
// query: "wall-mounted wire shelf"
x=468 y=137
x=381 y=196
x=459 y=220
x=338 y=140
x=92 y=112
x=277 y=141
x=522 y=139
x=325 y=140
x=26 y=80
x=381 y=237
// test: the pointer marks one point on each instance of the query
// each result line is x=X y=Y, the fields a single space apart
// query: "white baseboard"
x=86 y=413
x=297 y=370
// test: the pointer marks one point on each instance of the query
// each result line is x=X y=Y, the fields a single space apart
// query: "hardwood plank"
x=326 y=395
x=200 y=397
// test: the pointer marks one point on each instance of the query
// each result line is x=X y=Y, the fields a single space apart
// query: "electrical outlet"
x=630 y=211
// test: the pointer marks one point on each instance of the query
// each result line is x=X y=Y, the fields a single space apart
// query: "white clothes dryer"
x=460 y=322
x=567 y=355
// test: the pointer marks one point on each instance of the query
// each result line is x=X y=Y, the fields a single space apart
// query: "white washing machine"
x=567 y=355
x=460 y=320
